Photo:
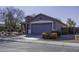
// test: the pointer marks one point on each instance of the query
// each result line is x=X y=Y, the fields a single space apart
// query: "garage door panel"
x=39 y=28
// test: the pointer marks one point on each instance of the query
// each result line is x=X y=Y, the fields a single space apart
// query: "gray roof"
x=53 y=19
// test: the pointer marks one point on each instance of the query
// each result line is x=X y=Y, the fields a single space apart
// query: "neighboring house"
x=42 y=23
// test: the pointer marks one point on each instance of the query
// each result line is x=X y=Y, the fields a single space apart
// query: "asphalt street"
x=13 y=46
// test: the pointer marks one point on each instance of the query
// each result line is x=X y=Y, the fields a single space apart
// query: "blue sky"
x=60 y=12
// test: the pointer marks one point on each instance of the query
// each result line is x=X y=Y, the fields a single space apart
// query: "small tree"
x=12 y=16
x=71 y=23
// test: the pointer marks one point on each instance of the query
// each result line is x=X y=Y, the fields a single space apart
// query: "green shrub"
x=57 y=32
x=68 y=30
x=64 y=31
x=45 y=35
x=51 y=35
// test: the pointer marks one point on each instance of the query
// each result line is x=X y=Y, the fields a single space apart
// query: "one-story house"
x=40 y=23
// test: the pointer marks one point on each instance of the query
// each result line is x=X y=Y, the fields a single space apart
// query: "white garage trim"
x=36 y=22
x=41 y=22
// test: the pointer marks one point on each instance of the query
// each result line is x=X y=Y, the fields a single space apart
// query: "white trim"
x=41 y=21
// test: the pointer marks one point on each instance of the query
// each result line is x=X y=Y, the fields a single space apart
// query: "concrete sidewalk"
x=39 y=40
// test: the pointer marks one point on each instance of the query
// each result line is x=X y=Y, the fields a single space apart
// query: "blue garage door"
x=38 y=29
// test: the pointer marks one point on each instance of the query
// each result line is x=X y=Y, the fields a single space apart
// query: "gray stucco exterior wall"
x=58 y=26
